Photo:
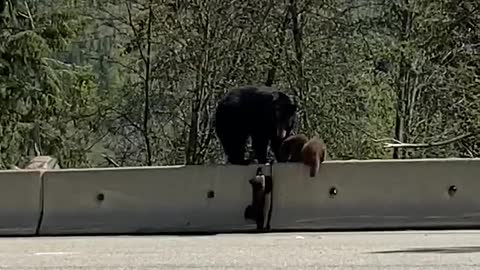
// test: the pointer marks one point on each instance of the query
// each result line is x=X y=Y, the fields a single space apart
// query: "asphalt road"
x=366 y=250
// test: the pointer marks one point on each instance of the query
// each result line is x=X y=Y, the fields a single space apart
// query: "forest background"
x=137 y=81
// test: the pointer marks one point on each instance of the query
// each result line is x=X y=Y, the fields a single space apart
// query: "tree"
x=45 y=104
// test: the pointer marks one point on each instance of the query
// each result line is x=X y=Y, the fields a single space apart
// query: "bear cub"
x=311 y=152
x=291 y=148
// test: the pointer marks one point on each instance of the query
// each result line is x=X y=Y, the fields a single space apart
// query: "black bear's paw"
x=243 y=162
x=268 y=161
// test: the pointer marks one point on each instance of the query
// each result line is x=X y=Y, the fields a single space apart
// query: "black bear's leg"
x=276 y=145
x=232 y=138
x=260 y=146
x=234 y=146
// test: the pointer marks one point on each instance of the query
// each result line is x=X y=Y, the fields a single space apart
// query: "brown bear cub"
x=291 y=148
x=298 y=148
x=313 y=154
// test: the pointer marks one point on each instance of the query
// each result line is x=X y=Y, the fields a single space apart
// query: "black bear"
x=313 y=154
x=262 y=113
x=291 y=148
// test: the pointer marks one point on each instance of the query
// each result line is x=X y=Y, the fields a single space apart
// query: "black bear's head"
x=285 y=115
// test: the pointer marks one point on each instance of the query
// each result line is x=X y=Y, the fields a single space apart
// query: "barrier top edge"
x=28 y=171
x=369 y=161
x=430 y=160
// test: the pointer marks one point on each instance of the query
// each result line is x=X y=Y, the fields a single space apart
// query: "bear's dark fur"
x=263 y=113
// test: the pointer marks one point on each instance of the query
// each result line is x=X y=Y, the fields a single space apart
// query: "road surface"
x=420 y=250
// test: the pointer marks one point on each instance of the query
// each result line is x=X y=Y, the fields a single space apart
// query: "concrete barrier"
x=147 y=200
x=378 y=194
x=20 y=202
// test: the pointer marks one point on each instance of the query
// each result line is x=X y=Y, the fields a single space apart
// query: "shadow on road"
x=471 y=249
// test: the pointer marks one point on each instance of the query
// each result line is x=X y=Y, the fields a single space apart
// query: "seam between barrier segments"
x=270 y=211
x=42 y=200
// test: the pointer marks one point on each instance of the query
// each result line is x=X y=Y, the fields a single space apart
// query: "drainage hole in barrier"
x=100 y=197
x=452 y=190
x=210 y=194
x=333 y=191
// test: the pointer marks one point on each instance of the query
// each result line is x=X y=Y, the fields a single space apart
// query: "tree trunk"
x=147 y=87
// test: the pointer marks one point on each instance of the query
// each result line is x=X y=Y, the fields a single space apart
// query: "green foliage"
x=45 y=102
x=139 y=80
